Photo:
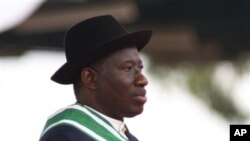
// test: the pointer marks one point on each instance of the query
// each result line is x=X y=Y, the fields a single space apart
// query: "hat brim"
x=67 y=73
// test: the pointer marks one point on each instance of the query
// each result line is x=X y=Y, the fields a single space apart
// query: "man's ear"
x=88 y=78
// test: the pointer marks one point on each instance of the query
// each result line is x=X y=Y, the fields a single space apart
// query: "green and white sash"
x=86 y=120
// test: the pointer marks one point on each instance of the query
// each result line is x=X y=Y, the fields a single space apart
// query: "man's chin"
x=134 y=113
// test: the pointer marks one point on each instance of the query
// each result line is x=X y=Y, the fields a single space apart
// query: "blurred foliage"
x=200 y=82
x=198 y=78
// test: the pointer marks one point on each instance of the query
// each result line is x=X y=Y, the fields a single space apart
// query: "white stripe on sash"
x=79 y=126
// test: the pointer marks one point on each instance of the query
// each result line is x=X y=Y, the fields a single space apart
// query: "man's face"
x=120 y=84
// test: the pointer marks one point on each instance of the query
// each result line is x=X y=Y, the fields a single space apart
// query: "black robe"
x=70 y=133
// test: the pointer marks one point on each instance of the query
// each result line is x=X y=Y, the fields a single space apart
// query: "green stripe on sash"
x=86 y=121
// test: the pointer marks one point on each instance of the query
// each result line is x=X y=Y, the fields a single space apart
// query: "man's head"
x=93 y=39
x=104 y=64
x=115 y=85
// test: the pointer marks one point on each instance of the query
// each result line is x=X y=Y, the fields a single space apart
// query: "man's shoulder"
x=65 y=133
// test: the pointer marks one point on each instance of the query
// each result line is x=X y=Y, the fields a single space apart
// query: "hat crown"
x=91 y=33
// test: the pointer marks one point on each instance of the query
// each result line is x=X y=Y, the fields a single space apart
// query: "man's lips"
x=141 y=97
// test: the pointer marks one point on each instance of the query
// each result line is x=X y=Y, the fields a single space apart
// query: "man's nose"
x=141 y=80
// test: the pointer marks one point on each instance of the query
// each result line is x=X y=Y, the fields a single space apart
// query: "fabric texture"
x=65 y=133
x=70 y=133
x=77 y=122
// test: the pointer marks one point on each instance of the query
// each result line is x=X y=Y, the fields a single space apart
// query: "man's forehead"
x=129 y=54
x=125 y=54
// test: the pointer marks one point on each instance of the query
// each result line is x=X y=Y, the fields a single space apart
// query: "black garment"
x=69 y=133
x=130 y=136
x=65 y=133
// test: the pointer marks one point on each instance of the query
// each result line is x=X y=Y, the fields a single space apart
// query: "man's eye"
x=127 y=68
x=141 y=67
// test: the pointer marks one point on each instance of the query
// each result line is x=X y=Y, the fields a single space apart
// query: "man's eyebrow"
x=133 y=62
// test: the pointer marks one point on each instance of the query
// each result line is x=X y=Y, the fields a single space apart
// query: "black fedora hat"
x=92 y=39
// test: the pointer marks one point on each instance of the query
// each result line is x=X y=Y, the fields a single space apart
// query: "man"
x=105 y=68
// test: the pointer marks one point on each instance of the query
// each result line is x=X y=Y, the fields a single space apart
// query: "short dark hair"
x=77 y=84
